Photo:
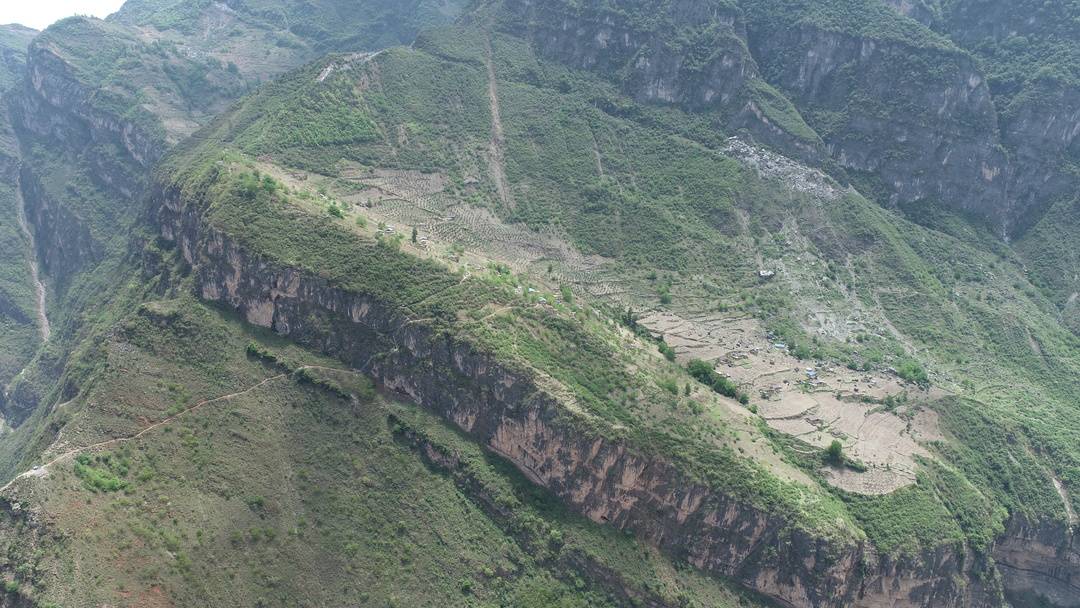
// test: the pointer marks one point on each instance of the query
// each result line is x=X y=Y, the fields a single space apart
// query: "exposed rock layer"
x=915 y=114
x=607 y=480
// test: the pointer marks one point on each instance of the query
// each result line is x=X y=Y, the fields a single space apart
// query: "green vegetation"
x=315 y=488
x=705 y=374
x=311 y=118
x=102 y=473
x=912 y=371
x=863 y=18
x=678 y=191
x=1028 y=48
x=13 y=42
x=288 y=494
x=835 y=452
x=1054 y=243
x=582 y=355
x=19 y=335
x=334 y=24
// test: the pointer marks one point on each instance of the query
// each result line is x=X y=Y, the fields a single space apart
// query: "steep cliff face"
x=14 y=40
x=1040 y=560
x=906 y=107
x=507 y=410
x=1029 y=51
x=63 y=241
x=78 y=164
x=1041 y=130
x=710 y=67
x=444 y=459
x=57 y=111
x=917 y=116
x=1045 y=124
x=57 y=106
x=690 y=54
x=18 y=291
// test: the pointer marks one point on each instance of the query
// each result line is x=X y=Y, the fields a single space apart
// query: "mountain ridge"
x=294 y=207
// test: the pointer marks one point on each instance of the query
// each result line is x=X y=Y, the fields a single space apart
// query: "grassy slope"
x=1051 y=248
x=291 y=495
x=569 y=344
x=861 y=18
x=168 y=67
x=678 y=199
x=160 y=86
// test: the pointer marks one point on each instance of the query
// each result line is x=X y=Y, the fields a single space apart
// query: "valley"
x=539 y=303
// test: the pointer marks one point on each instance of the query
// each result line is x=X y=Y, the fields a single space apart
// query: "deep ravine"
x=39 y=286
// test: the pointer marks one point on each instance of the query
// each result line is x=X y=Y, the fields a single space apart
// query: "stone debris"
x=795 y=175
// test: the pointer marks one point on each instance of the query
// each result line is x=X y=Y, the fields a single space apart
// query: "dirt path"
x=496 y=161
x=43 y=318
x=42 y=470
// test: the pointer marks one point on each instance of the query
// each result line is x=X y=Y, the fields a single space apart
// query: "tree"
x=835 y=452
x=910 y=370
x=414 y=234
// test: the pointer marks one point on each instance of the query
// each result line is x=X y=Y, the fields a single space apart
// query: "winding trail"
x=40 y=471
x=43 y=318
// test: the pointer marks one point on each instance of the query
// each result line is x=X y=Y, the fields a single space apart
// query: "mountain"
x=541 y=303
x=18 y=298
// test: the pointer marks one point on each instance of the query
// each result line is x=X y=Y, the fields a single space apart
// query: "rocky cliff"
x=931 y=119
x=1042 y=131
x=63 y=240
x=923 y=134
x=1040 y=559
x=942 y=150
x=685 y=53
x=711 y=68
x=896 y=102
x=56 y=105
x=506 y=409
x=55 y=109
x=1030 y=53
x=79 y=165
x=911 y=110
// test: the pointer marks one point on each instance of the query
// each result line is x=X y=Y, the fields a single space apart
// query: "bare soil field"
x=876 y=416
x=817 y=404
